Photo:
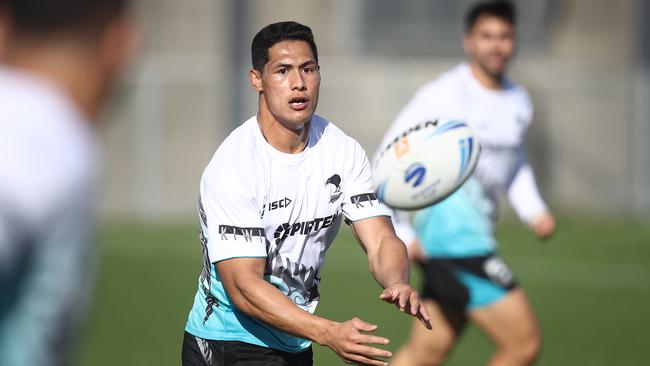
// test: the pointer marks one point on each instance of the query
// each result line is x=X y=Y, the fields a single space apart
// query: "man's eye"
x=308 y=69
x=282 y=71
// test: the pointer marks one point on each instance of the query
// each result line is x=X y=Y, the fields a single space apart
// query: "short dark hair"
x=52 y=17
x=276 y=33
x=500 y=9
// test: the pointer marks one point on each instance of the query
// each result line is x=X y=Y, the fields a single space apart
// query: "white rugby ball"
x=425 y=164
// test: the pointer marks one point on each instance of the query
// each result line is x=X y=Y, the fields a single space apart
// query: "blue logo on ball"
x=466 y=148
x=415 y=174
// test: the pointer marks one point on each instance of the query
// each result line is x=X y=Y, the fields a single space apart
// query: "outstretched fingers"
x=418 y=310
x=389 y=295
x=363 y=326
x=350 y=341
x=362 y=360
x=423 y=317
x=358 y=352
x=408 y=301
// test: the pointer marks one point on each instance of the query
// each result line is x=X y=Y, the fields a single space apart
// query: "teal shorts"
x=467 y=283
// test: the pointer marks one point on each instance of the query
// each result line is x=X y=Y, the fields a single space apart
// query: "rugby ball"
x=425 y=164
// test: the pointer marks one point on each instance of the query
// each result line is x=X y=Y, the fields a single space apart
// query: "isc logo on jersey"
x=285 y=202
x=441 y=155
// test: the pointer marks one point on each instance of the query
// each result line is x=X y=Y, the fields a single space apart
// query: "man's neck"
x=494 y=82
x=66 y=67
x=282 y=138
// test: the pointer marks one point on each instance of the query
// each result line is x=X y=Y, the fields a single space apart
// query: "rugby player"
x=464 y=277
x=271 y=202
x=58 y=60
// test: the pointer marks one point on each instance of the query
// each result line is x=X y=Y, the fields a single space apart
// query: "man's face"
x=289 y=83
x=490 y=43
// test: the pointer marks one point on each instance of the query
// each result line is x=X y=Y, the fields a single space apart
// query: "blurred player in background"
x=58 y=61
x=271 y=202
x=464 y=278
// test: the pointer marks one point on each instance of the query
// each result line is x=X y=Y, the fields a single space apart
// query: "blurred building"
x=585 y=62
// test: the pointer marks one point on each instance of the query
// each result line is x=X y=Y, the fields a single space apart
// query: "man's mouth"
x=496 y=58
x=298 y=103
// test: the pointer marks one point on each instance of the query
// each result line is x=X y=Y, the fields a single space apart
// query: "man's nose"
x=297 y=80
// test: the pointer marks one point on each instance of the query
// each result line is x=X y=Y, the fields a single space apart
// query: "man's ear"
x=256 y=79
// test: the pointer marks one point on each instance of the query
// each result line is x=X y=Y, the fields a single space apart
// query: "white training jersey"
x=500 y=119
x=256 y=201
x=47 y=174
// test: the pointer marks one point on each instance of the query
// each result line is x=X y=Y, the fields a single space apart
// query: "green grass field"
x=590 y=287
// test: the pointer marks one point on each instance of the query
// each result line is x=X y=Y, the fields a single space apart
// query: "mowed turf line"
x=590 y=286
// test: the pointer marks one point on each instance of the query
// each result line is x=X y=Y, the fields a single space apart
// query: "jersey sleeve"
x=360 y=201
x=231 y=223
x=523 y=193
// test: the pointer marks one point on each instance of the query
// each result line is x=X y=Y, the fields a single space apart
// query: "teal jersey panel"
x=458 y=226
x=222 y=321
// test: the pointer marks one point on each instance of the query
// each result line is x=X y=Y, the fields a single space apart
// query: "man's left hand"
x=408 y=301
x=543 y=225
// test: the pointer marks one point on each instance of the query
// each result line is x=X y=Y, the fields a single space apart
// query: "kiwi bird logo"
x=335 y=181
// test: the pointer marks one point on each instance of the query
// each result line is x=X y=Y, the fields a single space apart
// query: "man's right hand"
x=351 y=344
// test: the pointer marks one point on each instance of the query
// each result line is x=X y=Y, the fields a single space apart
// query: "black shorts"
x=202 y=352
x=466 y=283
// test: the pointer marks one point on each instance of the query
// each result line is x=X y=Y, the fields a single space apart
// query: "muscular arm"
x=387 y=257
x=389 y=264
x=407 y=234
x=250 y=293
